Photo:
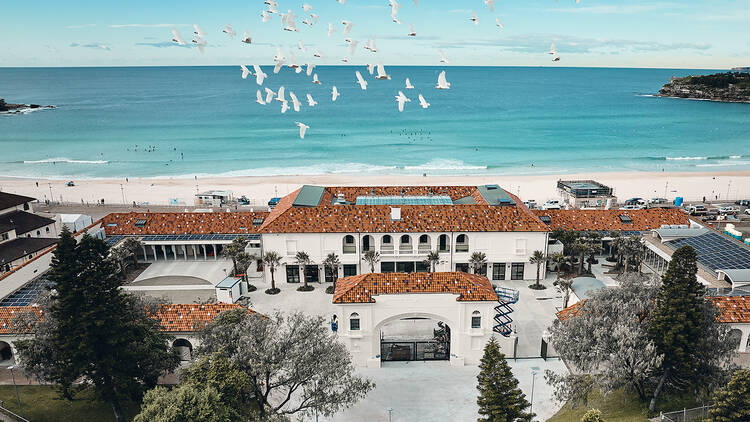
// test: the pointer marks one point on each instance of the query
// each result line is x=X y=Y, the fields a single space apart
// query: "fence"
x=685 y=415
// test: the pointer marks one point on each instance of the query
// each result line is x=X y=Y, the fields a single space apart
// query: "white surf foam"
x=687 y=158
x=64 y=160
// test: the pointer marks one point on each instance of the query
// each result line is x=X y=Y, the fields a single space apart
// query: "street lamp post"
x=533 y=378
x=390 y=413
x=15 y=387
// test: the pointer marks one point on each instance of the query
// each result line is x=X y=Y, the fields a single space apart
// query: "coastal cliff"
x=7 y=108
x=729 y=87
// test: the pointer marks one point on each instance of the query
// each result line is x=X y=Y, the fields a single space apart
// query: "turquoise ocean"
x=186 y=121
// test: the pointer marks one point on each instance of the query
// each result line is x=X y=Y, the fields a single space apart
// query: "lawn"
x=41 y=403
x=621 y=407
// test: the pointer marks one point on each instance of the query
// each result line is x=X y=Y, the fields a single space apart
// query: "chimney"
x=395 y=214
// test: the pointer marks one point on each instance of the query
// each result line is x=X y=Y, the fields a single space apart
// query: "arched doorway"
x=414 y=338
x=184 y=348
x=6 y=354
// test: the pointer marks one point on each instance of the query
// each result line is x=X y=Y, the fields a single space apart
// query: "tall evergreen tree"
x=95 y=331
x=733 y=403
x=677 y=323
x=500 y=399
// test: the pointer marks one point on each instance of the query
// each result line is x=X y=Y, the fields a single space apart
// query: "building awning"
x=228 y=282
x=738 y=277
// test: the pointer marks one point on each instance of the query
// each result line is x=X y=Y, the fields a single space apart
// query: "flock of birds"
x=288 y=23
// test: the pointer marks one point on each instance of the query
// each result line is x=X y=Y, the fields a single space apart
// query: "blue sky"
x=611 y=33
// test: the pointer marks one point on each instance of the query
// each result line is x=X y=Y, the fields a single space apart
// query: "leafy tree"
x=185 y=403
x=133 y=245
x=332 y=263
x=294 y=364
x=676 y=325
x=609 y=337
x=233 y=250
x=593 y=415
x=500 y=399
x=303 y=260
x=272 y=260
x=95 y=331
x=477 y=262
x=733 y=402
x=538 y=258
x=432 y=259
x=372 y=258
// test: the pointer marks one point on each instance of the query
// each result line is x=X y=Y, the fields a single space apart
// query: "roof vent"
x=395 y=214
x=545 y=219
x=372 y=191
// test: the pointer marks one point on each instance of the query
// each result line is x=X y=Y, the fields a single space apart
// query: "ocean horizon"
x=113 y=122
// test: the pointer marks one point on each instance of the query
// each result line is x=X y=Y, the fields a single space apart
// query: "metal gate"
x=413 y=350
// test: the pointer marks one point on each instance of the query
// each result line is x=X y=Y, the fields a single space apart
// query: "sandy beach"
x=727 y=186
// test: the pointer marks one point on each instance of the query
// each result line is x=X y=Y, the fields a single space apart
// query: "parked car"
x=747 y=211
x=696 y=210
x=729 y=209
x=530 y=204
x=657 y=201
x=552 y=204
x=743 y=202
x=635 y=201
x=632 y=207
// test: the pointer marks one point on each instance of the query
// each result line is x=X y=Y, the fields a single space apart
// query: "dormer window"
x=626 y=219
x=545 y=219
x=140 y=223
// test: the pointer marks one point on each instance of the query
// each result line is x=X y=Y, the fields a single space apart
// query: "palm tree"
x=582 y=248
x=244 y=260
x=433 y=258
x=372 y=257
x=477 y=261
x=538 y=258
x=133 y=245
x=303 y=259
x=332 y=263
x=564 y=283
x=273 y=260
x=233 y=249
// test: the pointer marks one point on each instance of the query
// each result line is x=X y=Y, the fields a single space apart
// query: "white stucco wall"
x=466 y=343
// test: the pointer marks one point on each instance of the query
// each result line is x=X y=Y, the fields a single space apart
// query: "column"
x=164 y=251
x=153 y=249
x=195 y=253
x=205 y=255
x=145 y=255
x=184 y=251
x=743 y=340
x=174 y=251
x=215 y=254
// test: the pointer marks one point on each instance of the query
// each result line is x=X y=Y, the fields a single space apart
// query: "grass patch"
x=620 y=406
x=42 y=403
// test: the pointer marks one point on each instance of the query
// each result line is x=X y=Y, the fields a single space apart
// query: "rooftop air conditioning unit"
x=395 y=214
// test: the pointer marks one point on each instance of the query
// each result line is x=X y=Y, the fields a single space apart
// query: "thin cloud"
x=147 y=25
x=621 y=9
x=96 y=46
x=86 y=25
x=165 y=44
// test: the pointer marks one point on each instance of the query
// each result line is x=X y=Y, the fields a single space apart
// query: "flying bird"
x=423 y=102
x=246 y=38
x=352 y=46
x=381 y=72
x=334 y=94
x=310 y=68
x=307 y=22
x=362 y=83
x=260 y=76
x=371 y=69
x=259 y=98
x=318 y=54
x=284 y=107
x=245 y=71
x=500 y=24
x=229 y=31
x=310 y=101
x=277 y=66
x=474 y=18
x=347 y=27
x=198 y=31
x=412 y=33
x=295 y=101
x=553 y=52
x=490 y=4
x=370 y=45
x=401 y=100
x=301 y=46
x=307 y=8
x=443 y=59
x=315 y=79
x=269 y=95
x=314 y=17
x=279 y=57
x=200 y=42
x=280 y=95
x=302 y=129
x=176 y=37
x=330 y=29
x=408 y=84
x=265 y=16
x=442 y=83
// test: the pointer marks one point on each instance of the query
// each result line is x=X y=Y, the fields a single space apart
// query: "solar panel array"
x=405 y=200
x=27 y=294
x=112 y=240
x=716 y=251
x=186 y=237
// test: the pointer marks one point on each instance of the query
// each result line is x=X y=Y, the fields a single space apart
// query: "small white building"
x=75 y=222
x=230 y=289
x=371 y=307
x=213 y=198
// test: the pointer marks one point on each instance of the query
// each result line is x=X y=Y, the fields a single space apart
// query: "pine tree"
x=500 y=399
x=733 y=403
x=677 y=324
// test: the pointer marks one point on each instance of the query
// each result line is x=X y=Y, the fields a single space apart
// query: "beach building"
x=23 y=234
x=213 y=198
x=75 y=222
x=417 y=316
x=586 y=194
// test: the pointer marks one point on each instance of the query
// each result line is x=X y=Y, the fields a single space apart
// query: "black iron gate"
x=414 y=350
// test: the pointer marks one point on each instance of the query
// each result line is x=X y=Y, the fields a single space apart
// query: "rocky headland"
x=7 y=108
x=730 y=87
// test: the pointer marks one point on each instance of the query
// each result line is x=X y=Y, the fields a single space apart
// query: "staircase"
x=505 y=298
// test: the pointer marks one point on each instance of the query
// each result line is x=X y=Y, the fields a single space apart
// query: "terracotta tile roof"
x=609 y=220
x=352 y=192
x=191 y=317
x=9 y=318
x=733 y=308
x=361 y=288
x=182 y=223
x=414 y=218
x=571 y=311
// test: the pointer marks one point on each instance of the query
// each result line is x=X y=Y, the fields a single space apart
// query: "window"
x=498 y=271
x=312 y=274
x=368 y=243
x=26 y=206
x=329 y=274
x=354 y=322
x=405 y=240
x=516 y=271
x=349 y=246
x=140 y=223
x=386 y=243
x=4 y=236
x=462 y=243
x=464 y=268
x=422 y=267
x=444 y=243
x=520 y=246
x=476 y=319
x=350 y=270
x=292 y=274
x=291 y=247
x=387 y=267
x=46 y=229
x=424 y=243
x=405 y=267
x=38 y=233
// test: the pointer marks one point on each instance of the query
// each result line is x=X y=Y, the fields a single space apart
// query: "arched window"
x=386 y=243
x=47 y=229
x=476 y=319
x=444 y=243
x=424 y=243
x=462 y=243
x=405 y=243
x=368 y=243
x=184 y=348
x=349 y=246
x=6 y=352
x=38 y=233
x=354 y=322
